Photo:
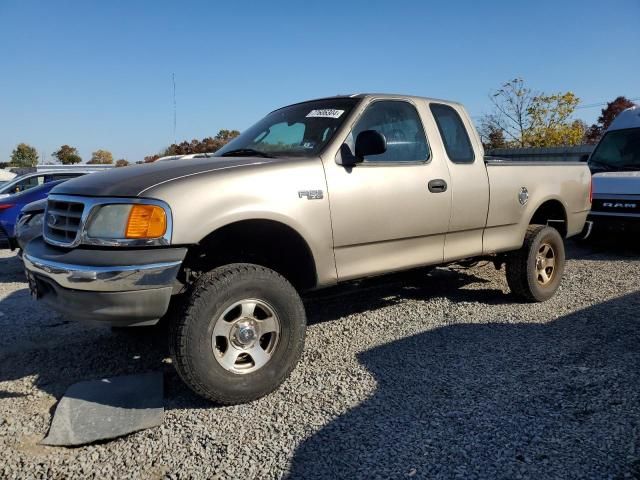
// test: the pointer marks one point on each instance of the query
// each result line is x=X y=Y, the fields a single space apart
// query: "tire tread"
x=518 y=268
x=208 y=284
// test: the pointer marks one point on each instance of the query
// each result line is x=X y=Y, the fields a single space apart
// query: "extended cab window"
x=400 y=124
x=453 y=133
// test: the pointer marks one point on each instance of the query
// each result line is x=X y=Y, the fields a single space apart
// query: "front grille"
x=62 y=222
x=616 y=206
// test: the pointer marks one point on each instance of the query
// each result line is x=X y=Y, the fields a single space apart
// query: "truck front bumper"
x=103 y=285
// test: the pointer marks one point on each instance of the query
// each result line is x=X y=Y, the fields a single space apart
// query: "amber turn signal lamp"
x=146 y=221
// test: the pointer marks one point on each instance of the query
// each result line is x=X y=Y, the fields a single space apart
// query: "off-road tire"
x=522 y=274
x=191 y=333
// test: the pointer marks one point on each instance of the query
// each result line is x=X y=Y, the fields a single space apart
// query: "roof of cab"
x=389 y=96
x=629 y=118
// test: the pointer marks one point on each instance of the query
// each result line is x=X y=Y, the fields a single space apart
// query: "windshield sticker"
x=325 y=113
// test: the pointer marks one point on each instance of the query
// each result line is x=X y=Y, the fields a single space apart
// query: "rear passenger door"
x=384 y=215
x=469 y=181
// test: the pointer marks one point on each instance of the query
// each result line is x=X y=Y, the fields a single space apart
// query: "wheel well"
x=263 y=242
x=551 y=213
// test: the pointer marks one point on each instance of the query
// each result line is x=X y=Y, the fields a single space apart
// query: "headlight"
x=36 y=220
x=127 y=222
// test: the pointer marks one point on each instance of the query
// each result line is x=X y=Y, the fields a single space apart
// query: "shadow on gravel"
x=557 y=400
x=58 y=353
x=604 y=249
x=62 y=352
x=12 y=270
x=330 y=304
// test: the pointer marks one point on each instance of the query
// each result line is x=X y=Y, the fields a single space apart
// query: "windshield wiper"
x=246 y=152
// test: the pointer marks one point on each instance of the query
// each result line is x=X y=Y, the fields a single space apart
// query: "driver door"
x=384 y=215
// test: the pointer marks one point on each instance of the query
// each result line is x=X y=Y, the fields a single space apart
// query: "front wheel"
x=240 y=334
x=535 y=271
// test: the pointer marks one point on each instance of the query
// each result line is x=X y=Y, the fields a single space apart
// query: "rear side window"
x=453 y=133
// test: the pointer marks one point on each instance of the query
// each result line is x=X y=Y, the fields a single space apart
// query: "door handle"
x=437 y=186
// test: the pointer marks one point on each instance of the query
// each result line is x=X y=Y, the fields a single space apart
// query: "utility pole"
x=173 y=78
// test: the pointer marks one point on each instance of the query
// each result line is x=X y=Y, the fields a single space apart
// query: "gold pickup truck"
x=314 y=194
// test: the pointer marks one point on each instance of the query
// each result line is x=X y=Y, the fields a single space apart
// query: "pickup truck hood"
x=616 y=183
x=134 y=180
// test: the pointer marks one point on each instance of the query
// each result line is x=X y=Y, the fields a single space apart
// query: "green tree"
x=227 y=135
x=24 y=156
x=101 y=157
x=550 y=121
x=122 y=163
x=492 y=137
x=532 y=119
x=67 y=155
x=206 y=145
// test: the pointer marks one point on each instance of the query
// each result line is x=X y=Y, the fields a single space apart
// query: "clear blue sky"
x=97 y=74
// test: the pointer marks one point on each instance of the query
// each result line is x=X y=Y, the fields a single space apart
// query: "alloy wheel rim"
x=245 y=336
x=545 y=264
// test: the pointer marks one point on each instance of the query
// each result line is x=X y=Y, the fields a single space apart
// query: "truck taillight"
x=5 y=206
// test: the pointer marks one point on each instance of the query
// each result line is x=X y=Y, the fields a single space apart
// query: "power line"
x=601 y=104
x=589 y=105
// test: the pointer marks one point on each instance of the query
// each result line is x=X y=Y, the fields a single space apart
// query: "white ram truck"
x=615 y=163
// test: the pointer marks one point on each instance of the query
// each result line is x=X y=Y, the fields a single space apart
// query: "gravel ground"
x=437 y=375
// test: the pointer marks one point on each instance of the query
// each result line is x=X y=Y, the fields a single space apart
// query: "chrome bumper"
x=105 y=278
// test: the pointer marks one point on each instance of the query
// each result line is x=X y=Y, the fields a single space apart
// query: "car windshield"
x=618 y=150
x=300 y=130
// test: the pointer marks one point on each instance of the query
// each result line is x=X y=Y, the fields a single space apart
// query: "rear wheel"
x=535 y=271
x=240 y=334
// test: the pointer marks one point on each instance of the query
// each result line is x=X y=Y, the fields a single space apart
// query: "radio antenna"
x=175 y=114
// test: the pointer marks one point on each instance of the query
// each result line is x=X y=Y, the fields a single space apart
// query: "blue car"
x=10 y=209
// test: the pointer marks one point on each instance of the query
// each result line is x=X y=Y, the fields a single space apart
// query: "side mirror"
x=584 y=158
x=370 y=142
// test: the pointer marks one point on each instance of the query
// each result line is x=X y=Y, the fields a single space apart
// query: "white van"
x=615 y=163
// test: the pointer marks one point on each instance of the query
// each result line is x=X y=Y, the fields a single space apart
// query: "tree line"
x=520 y=117
x=25 y=155
x=206 y=145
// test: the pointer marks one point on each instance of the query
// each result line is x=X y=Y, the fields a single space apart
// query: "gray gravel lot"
x=422 y=376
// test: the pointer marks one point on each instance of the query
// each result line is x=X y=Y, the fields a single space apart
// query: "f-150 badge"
x=311 y=194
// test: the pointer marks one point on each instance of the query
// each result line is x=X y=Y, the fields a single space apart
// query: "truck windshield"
x=300 y=130
x=618 y=150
